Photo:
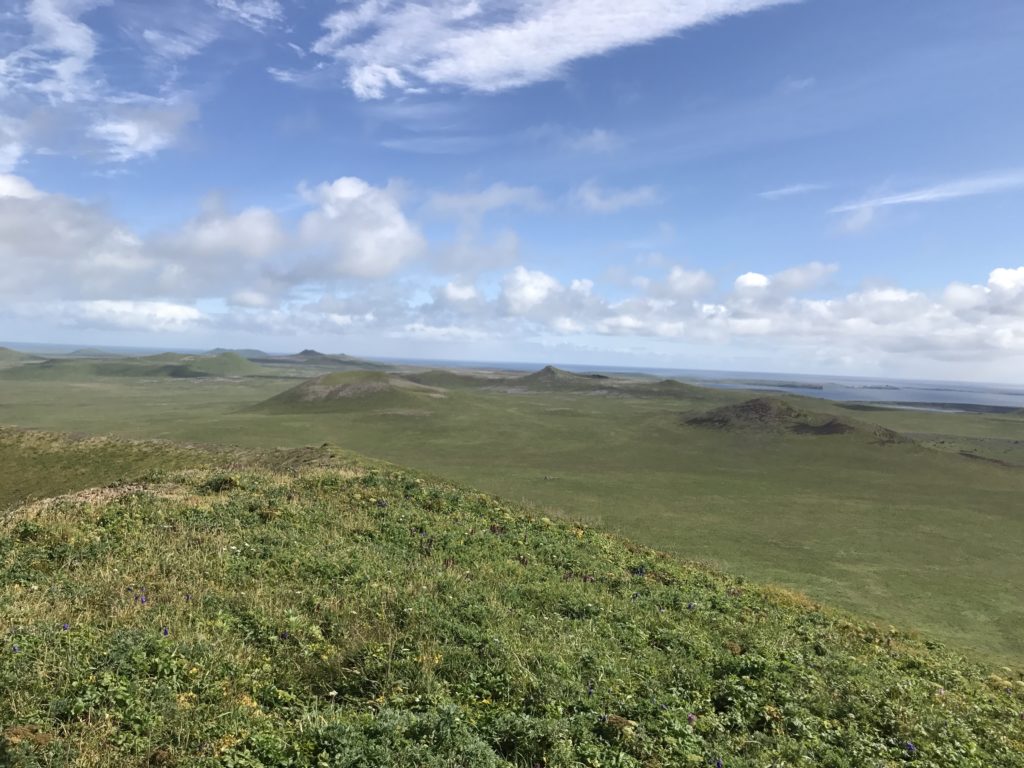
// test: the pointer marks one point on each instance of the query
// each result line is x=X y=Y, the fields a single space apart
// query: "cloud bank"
x=354 y=260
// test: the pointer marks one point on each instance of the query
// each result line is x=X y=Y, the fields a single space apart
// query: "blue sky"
x=809 y=186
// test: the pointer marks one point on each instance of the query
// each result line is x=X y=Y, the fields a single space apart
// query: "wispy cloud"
x=791 y=191
x=860 y=214
x=598 y=140
x=591 y=196
x=971 y=187
x=491 y=45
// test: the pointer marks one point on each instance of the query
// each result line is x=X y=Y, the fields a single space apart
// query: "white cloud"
x=1007 y=280
x=525 y=289
x=55 y=247
x=686 y=283
x=255 y=233
x=460 y=292
x=803 y=278
x=142 y=131
x=56 y=62
x=15 y=186
x=372 y=81
x=441 y=333
x=179 y=44
x=860 y=214
x=359 y=228
x=495 y=197
x=11 y=147
x=489 y=45
x=791 y=191
x=752 y=281
x=593 y=198
x=156 y=316
x=254 y=13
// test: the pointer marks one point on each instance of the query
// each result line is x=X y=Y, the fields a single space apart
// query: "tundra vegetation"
x=226 y=596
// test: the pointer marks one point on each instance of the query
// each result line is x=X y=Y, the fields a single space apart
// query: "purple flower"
x=142 y=600
x=66 y=627
x=165 y=631
x=16 y=649
x=691 y=718
x=719 y=763
x=910 y=747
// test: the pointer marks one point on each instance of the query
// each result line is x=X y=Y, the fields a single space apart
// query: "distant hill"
x=311 y=358
x=352 y=390
x=13 y=356
x=670 y=388
x=166 y=365
x=249 y=354
x=552 y=379
x=93 y=352
x=449 y=379
x=770 y=414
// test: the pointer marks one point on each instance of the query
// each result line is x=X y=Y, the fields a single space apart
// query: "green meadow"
x=901 y=529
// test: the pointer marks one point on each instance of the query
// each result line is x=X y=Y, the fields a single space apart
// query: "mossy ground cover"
x=339 y=614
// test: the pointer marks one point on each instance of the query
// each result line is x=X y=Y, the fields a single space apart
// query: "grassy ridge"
x=168 y=365
x=365 y=391
x=36 y=465
x=325 y=612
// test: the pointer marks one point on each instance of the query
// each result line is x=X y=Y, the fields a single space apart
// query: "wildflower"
x=381 y=503
x=165 y=631
x=284 y=635
x=590 y=689
x=719 y=763
x=911 y=749
x=188 y=598
x=142 y=600
x=16 y=649
x=691 y=606
x=691 y=718
x=66 y=627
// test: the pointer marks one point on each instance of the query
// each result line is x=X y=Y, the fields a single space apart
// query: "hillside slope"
x=337 y=614
x=351 y=390
x=772 y=414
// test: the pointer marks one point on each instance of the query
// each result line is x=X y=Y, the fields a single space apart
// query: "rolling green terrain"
x=302 y=608
x=813 y=496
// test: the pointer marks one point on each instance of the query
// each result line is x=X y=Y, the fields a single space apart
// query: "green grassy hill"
x=450 y=379
x=773 y=414
x=314 y=359
x=550 y=378
x=166 y=365
x=14 y=357
x=248 y=354
x=321 y=611
x=366 y=391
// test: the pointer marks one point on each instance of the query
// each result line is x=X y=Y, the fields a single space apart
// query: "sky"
x=818 y=186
